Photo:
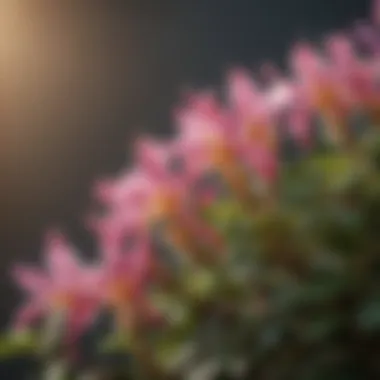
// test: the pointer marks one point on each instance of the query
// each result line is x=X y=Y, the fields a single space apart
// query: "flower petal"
x=31 y=279
x=62 y=264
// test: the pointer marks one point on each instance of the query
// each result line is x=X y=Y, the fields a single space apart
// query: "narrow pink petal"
x=61 y=261
x=341 y=51
x=305 y=60
x=151 y=157
x=30 y=279
x=129 y=184
x=200 y=118
x=242 y=91
x=133 y=189
x=206 y=106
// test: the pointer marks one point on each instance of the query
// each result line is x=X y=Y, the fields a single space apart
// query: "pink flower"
x=324 y=86
x=207 y=130
x=356 y=78
x=249 y=106
x=168 y=161
x=244 y=133
x=119 y=232
x=175 y=187
x=127 y=202
x=313 y=74
x=152 y=189
x=124 y=280
x=173 y=171
x=350 y=73
x=254 y=112
x=66 y=287
x=133 y=187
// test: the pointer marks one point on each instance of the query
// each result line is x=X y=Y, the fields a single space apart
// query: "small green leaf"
x=20 y=342
x=201 y=283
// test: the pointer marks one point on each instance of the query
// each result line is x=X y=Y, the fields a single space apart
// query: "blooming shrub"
x=244 y=247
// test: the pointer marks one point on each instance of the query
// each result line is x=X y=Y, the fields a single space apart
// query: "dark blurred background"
x=79 y=79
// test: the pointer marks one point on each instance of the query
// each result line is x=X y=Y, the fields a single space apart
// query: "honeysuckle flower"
x=322 y=84
x=213 y=137
x=171 y=173
x=351 y=72
x=288 y=101
x=338 y=84
x=66 y=287
x=169 y=198
x=128 y=202
x=358 y=77
x=207 y=129
x=124 y=282
x=174 y=200
x=254 y=113
x=130 y=188
x=119 y=232
x=154 y=187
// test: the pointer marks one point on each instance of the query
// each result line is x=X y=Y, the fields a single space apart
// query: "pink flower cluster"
x=238 y=139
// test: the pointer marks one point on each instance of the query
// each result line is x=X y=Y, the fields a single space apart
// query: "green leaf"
x=16 y=343
x=202 y=284
x=225 y=213
x=334 y=170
